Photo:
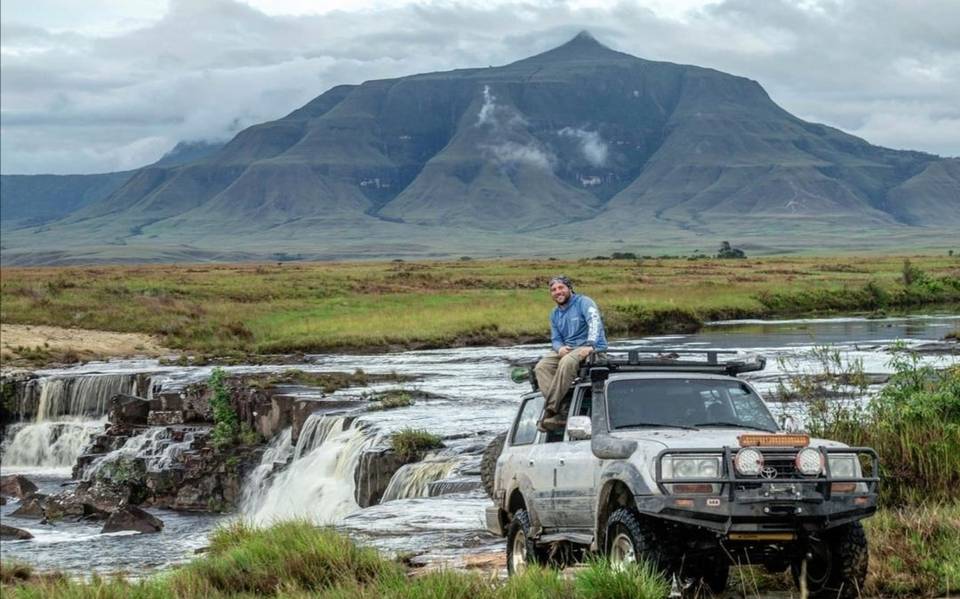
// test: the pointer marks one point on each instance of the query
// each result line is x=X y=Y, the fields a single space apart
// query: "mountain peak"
x=583 y=46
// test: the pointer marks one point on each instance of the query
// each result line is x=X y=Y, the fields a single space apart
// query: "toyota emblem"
x=768 y=472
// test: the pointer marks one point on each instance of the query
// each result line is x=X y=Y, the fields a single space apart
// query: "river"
x=469 y=399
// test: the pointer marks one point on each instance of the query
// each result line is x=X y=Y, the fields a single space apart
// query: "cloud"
x=502 y=123
x=74 y=99
x=592 y=146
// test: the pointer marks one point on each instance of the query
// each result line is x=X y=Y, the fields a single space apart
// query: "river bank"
x=248 y=313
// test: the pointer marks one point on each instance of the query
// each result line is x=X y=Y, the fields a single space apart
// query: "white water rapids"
x=319 y=484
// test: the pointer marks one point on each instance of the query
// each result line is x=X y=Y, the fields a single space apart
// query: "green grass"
x=410 y=444
x=301 y=307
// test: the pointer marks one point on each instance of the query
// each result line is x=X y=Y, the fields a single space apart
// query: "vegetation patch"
x=227 y=314
x=410 y=444
x=391 y=399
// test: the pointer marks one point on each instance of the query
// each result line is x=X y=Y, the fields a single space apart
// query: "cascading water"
x=277 y=453
x=156 y=446
x=413 y=480
x=46 y=445
x=87 y=395
x=318 y=484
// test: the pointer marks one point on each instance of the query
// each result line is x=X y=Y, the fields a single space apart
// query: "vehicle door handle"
x=562 y=461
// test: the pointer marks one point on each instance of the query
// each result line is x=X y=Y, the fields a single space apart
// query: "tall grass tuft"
x=913 y=422
x=636 y=581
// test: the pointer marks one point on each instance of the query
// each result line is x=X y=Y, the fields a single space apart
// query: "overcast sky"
x=104 y=85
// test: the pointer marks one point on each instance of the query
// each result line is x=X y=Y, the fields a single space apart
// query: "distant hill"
x=579 y=150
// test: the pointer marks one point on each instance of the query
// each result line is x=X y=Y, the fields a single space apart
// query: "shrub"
x=410 y=444
x=913 y=422
x=225 y=422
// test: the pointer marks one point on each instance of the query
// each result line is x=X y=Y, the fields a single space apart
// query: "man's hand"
x=564 y=351
x=585 y=351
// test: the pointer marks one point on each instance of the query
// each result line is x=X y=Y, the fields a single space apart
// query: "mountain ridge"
x=579 y=140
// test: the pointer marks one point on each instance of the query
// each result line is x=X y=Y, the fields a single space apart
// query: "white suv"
x=675 y=460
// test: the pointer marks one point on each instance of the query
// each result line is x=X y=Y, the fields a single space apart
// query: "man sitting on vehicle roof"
x=576 y=330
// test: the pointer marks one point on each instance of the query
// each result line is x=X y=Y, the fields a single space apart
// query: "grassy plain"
x=294 y=306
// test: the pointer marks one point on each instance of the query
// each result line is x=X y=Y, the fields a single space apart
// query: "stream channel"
x=434 y=508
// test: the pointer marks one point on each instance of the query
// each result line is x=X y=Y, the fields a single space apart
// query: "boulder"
x=128 y=410
x=31 y=506
x=9 y=533
x=71 y=505
x=374 y=471
x=130 y=517
x=15 y=485
x=3 y=500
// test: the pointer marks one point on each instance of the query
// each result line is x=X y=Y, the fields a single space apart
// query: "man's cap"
x=561 y=279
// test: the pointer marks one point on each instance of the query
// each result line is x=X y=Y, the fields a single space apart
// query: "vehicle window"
x=526 y=428
x=685 y=403
x=586 y=403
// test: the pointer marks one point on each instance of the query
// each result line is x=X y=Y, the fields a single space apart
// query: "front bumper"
x=772 y=513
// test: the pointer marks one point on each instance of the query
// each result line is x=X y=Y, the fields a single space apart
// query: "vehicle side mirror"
x=579 y=428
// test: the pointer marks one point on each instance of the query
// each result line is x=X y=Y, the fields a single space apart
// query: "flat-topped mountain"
x=580 y=149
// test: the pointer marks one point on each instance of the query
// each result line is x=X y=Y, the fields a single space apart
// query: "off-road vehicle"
x=670 y=458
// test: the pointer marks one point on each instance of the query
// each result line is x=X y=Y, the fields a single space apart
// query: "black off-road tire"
x=488 y=464
x=624 y=522
x=532 y=554
x=839 y=565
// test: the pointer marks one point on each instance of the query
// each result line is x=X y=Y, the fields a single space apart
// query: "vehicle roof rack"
x=645 y=359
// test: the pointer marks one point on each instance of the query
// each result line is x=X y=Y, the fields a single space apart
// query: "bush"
x=913 y=423
x=410 y=444
x=226 y=425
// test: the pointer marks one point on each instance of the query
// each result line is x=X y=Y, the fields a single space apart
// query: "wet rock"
x=165 y=417
x=31 y=506
x=101 y=499
x=10 y=533
x=16 y=485
x=373 y=474
x=447 y=486
x=304 y=408
x=128 y=410
x=130 y=517
x=3 y=500
x=72 y=505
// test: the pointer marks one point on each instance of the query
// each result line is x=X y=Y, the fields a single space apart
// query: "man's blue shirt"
x=577 y=323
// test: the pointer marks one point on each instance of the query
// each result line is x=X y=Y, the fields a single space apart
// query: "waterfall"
x=48 y=444
x=86 y=395
x=413 y=480
x=158 y=447
x=277 y=453
x=318 y=484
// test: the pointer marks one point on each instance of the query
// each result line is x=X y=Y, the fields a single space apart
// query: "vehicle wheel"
x=837 y=566
x=488 y=464
x=522 y=551
x=626 y=543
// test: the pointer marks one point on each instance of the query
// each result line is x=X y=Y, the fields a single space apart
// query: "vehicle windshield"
x=686 y=403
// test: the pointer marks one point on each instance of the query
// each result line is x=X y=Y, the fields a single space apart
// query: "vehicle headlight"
x=809 y=461
x=749 y=461
x=691 y=466
x=846 y=465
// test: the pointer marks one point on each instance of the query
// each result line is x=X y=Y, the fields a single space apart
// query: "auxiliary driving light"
x=809 y=461
x=749 y=461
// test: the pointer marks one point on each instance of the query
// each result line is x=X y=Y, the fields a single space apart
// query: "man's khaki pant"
x=554 y=376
